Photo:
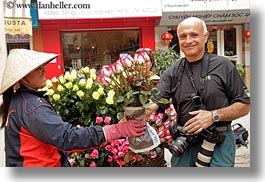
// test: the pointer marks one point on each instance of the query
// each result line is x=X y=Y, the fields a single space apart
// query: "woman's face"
x=149 y=62
x=148 y=66
x=35 y=79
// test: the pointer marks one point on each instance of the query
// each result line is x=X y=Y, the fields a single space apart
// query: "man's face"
x=192 y=40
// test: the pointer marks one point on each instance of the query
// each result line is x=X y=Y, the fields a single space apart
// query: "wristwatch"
x=215 y=116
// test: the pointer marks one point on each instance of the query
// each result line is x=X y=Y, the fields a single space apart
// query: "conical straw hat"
x=21 y=62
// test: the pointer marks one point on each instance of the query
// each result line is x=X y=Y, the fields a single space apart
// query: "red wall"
x=51 y=34
x=51 y=43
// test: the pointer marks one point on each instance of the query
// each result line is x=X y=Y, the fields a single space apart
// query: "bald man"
x=207 y=93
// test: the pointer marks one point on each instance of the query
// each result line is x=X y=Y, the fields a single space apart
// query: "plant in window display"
x=164 y=57
x=241 y=69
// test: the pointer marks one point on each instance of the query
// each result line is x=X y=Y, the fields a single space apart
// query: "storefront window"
x=98 y=48
x=222 y=41
x=174 y=43
x=212 y=39
x=230 y=42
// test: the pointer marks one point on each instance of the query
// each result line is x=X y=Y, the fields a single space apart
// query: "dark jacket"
x=36 y=136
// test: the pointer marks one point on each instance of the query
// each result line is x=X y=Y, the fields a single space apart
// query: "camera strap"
x=204 y=72
x=179 y=83
x=190 y=75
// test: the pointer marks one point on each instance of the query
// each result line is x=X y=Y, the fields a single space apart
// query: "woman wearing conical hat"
x=35 y=135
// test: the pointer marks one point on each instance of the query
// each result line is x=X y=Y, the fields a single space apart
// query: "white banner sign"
x=203 y=5
x=69 y=9
x=211 y=11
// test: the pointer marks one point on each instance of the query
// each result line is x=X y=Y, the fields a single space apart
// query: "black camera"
x=241 y=134
x=196 y=101
x=181 y=140
x=213 y=136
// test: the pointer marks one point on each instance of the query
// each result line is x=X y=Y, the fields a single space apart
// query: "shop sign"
x=15 y=26
x=211 y=11
x=18 y=38
x=69 y=9
x=210 y=18
x=203 y=5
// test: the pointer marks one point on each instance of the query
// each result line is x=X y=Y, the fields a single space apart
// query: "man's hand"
x=202 y=119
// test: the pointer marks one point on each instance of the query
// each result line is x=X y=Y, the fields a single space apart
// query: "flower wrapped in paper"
x=133 y=86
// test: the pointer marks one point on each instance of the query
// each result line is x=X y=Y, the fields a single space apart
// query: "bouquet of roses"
x=128 y=78
x=133 y=87
x=81 y=101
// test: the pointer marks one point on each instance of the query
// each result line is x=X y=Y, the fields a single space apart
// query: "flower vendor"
x=35 y=135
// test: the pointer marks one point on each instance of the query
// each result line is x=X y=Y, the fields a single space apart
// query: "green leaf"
x=129 y=94
x=120 y=115
x=155 y=91
x=138 y=83
x=164 y=101
x=127 y=157
x=158 y=150
x=120 y=99
x=87 y=121
x=144 y=92
x=143 y=99
x=147 y=105
x=82 y=162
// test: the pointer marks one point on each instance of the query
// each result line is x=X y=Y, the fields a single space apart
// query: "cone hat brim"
x=21 y=62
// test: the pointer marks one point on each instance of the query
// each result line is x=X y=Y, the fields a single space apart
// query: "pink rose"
x=110 y=158
x=79 y=126
x=121 y=163
x=104 y=80
x=159 y=121
x=99 y=120
x=94 y=154
x=168 y=138
x=71 y=161
x=167 y=123
x=106 y=71
x=114 y=150
x=107 y=120
x=108 y=147
x=152 y=154
x=126 y=61
x=121 y=154
x=117 y=67
x=152 y=117
x=168 y=110
x=92 y=164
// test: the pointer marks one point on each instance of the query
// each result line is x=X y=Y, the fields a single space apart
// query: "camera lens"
x=205 y=154
x=178 y=146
